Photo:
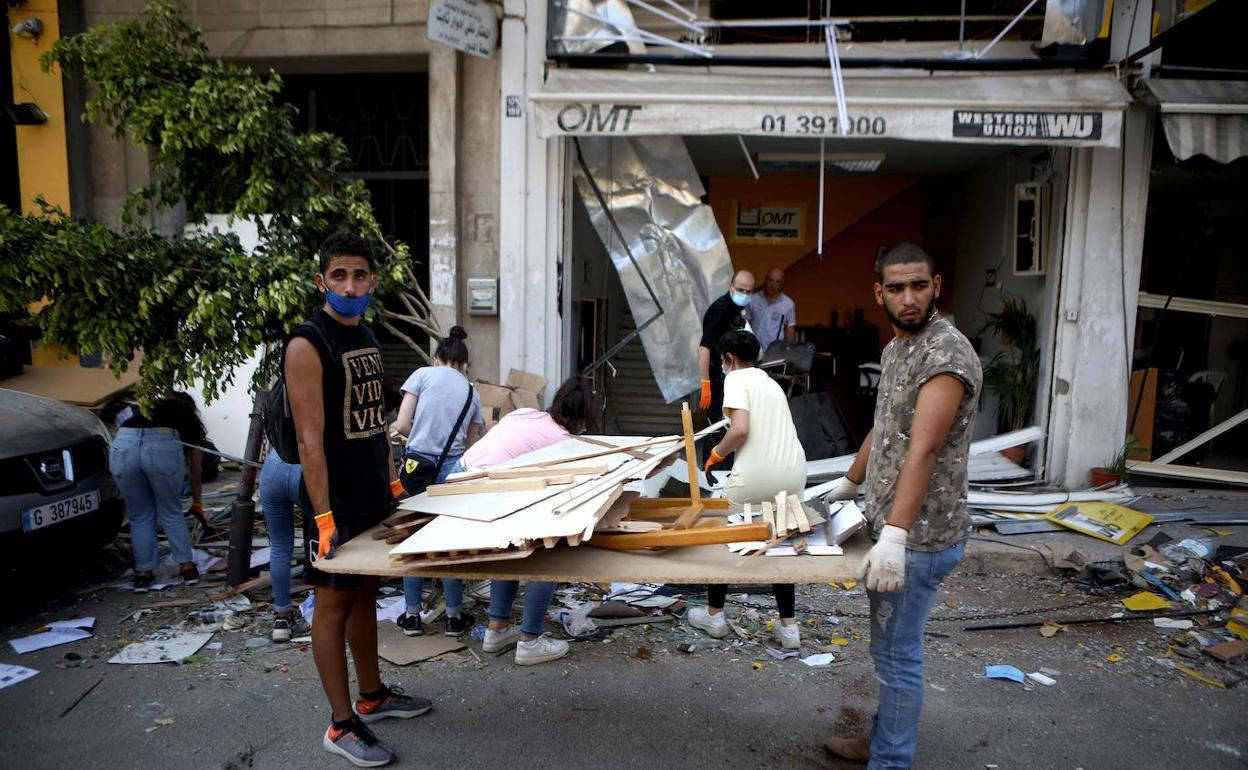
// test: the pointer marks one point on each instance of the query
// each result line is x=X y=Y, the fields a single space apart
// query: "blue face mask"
x=347 y=307
x=739 y=299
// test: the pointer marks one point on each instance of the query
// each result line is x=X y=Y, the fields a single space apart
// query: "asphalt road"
x=604 y=706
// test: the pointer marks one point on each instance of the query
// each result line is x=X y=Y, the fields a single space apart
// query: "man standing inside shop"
x=914 y=463
x=773 y=316
x=725 y=314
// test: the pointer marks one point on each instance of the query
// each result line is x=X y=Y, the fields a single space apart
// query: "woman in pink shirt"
x=521 y=431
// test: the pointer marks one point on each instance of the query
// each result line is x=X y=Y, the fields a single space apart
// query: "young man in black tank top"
x=333 y=379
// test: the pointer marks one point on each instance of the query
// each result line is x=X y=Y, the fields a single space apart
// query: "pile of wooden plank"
x=559 y=494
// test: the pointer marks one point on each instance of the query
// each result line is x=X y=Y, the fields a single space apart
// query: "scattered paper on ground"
x=820 y=660
x=163 y=647
x=10 y=674
x=401 y=650
x=49 y=638
x=75 y=623
x=390 y=608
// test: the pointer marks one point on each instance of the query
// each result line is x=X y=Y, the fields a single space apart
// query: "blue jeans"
x=279 y=493
x=452 y=588
x=537 y=598
x=148 y=465
x=897 y=622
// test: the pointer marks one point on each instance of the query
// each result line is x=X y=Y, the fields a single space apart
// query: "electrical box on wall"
x=1029 y=211
x=482 y=296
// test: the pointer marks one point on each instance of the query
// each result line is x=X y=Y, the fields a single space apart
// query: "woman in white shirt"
x=770 y=460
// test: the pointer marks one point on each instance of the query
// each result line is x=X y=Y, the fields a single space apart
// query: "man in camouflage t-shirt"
x=915 y=464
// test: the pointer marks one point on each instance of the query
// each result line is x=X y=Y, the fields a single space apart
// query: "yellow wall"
x=42 y=153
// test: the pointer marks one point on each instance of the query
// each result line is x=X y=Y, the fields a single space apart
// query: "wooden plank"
x=78 y=385
x=656 y=514
x=691 y=457
x=650 y=443
x=407 y=527
x=680 y=538
x=486 y=487
x=799 y=513
x=686 y=519
x=400 y=519
x=708 y=503
x=697 y=564
x=480 y=558
x=781 y=516
x=748 y=514
x=769 y=518
x=542 y=471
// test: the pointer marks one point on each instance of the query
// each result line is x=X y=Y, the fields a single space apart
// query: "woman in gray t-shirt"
x=433 y=397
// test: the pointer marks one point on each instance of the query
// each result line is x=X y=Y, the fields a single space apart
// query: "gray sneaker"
x=357 y=744
x=393 y=704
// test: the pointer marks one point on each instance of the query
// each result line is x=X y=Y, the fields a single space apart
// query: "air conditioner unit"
x=1030 y=204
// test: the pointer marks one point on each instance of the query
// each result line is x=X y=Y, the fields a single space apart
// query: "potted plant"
x=1013 y=373
x=1114 y=471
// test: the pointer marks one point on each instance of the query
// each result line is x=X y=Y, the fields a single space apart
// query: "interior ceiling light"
x=792 y=162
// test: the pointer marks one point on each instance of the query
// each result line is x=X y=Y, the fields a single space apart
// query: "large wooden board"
x=583 y=564
x=74 y=384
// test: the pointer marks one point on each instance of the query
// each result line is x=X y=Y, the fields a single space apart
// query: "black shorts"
x=348 y=527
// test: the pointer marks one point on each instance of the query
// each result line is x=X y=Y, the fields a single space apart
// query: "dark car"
x=56 y=493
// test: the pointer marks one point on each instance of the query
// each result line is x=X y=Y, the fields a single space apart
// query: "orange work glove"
x=396 y=489
x=325 y=531
x=712 y=461
x=705 y=402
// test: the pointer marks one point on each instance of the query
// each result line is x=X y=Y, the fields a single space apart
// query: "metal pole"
x=242 y=517
x=838 y=81
x=748 y=159
x=1008 y=27
x=962 y=26
x=819 y=245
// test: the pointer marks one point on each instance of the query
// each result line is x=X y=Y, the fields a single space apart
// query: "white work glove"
x=884 y=566
x=844 y=489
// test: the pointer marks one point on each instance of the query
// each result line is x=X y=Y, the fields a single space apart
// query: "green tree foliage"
x=220 y=141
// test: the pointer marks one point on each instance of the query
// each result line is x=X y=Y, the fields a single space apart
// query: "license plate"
x=46 y=515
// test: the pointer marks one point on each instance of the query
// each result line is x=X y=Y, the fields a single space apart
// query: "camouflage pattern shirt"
x=908 y=363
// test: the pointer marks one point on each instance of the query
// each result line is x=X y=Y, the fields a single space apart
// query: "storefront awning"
x=1204 y=117
x=1069 y=110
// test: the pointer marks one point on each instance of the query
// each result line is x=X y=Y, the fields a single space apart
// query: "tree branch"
x=411 y=343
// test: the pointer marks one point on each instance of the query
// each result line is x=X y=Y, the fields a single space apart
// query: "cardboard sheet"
x=401 y=650
x=703 y=564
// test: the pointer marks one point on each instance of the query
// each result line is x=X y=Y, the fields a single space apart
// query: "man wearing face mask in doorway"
x=914 y=463
x=333 y=372
x=724 y=314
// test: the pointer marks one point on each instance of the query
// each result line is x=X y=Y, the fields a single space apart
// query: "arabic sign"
x=470 y=26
